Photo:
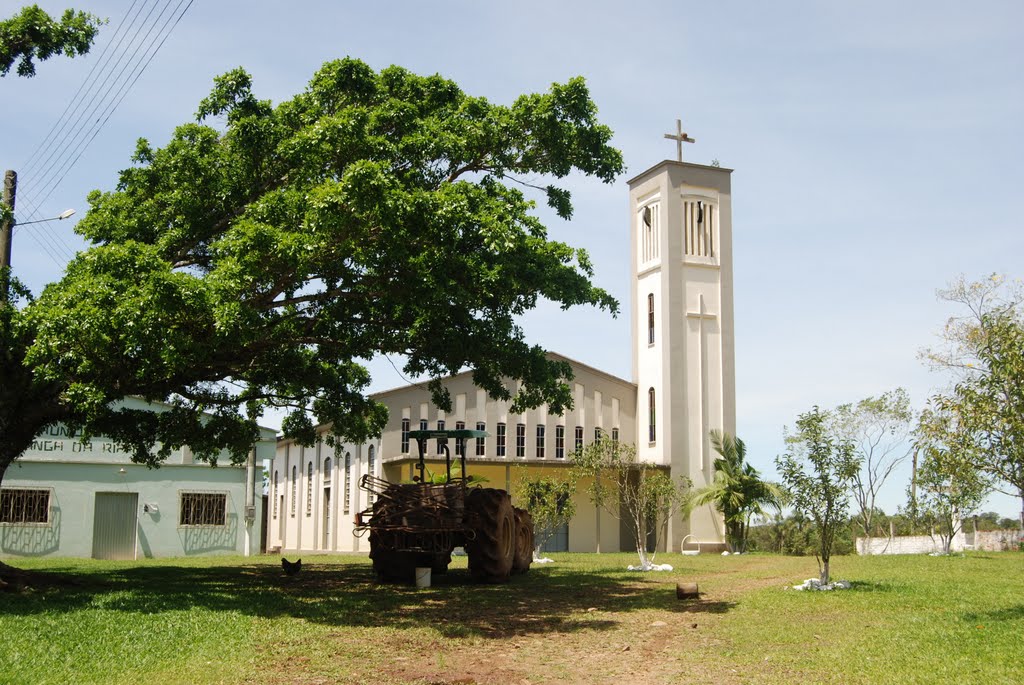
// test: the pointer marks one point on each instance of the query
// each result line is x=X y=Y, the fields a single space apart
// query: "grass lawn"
x=583 y=619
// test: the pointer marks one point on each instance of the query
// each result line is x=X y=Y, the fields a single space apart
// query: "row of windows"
x=347 y=498
x=501 y=439
x=23 y=505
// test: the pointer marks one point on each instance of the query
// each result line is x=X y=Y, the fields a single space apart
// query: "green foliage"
x=737 y=490
x=817 y=470
x=641 y=494
x=984 y=348
x=32 y=34
x=260 y=256
x=947 y=485
x=549 y=499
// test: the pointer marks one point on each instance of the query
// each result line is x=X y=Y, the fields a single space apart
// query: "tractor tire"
x=389 y=565
x=524 y=542
x=492 y=546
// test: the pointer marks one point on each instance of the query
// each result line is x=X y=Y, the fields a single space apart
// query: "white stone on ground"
x=652 y=567
x=815 y=584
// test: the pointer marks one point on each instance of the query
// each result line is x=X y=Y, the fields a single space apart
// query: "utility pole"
x=7 y=233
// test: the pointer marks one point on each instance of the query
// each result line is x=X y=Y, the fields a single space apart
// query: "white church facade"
x=683 y=387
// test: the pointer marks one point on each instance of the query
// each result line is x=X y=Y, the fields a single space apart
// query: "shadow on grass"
x=348 y=595
x=1014 y=613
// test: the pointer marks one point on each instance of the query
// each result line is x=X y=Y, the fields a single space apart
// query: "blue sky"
x=877 y=150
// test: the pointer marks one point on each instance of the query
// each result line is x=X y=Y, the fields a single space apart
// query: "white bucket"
x=422 y=576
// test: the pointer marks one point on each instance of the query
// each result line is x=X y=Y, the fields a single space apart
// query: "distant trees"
x=33 y=35
x=737 y=490
x=642 y=495
x=817 y=470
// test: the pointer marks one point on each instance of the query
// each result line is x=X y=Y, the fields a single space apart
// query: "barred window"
x=499 y=439
x=559 y=442
x=327 y=470
x=309 y=489
x=405 y=436
x=19 y=505
x=481 y=443
x=650 y=319
x=520 y=439
x=541 y=429
x=203 y=509
x=651 y=420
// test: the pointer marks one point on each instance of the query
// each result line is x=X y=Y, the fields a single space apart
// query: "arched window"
x=309 y=489
x=327 y=470
x=652 y=420
x=650 y=319
x=295 y=486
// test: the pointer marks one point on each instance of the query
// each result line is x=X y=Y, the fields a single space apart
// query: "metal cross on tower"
x=680 y=138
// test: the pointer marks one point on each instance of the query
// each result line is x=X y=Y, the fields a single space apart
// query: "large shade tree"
x=31 y=35
x=265 y=252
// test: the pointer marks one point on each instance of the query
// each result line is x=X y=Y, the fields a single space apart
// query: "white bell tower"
x=683 y=338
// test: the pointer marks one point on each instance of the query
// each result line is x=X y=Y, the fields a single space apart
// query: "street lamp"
x=63 y=215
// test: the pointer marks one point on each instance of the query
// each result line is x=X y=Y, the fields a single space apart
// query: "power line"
x=56 y=171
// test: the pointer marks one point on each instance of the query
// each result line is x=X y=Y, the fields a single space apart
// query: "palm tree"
x=737 y=490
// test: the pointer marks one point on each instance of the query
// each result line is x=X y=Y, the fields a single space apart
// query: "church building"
x=682 y=387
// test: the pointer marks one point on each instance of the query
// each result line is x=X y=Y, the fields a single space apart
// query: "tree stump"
x=687 y=591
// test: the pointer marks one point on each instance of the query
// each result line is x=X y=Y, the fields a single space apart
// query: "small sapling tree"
x=549 y=499
x=947 y=485
x=817 y=470
x=879 y=427
x=642 y=495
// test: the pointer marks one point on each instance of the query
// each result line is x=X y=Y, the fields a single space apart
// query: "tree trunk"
x=824 y=571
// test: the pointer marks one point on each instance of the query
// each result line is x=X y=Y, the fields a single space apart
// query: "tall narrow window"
x=295 y=488
x=441 y=442
x=327 y=470
x=481 y=443
x=615 y=435
x=597 y=434
x=371 y=463
x=579 y=438
x=275 y=493
x=541 y=429
x=520 y=439
x=309 y=489
x=652 y=418
x=347 y=499
x=460 y=443
x=423 y=424
x=559 y=442
x=405 y=436
x=499 y=439
x=650 y=319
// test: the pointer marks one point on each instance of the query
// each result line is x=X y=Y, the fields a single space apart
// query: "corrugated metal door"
x=114 y=522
